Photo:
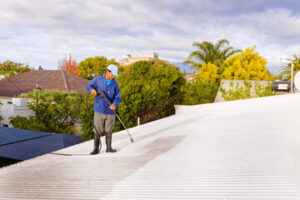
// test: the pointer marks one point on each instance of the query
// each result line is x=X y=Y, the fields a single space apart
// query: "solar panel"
x=12 y=135
x=38 y=146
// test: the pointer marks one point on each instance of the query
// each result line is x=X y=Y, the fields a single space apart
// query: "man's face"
x=109 y=75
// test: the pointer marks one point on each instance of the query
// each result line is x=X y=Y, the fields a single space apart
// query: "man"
x=104 y=114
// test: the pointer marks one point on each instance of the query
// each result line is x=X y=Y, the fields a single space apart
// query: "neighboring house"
x=42 y=79
x=226 y=84
x=145 y=57
x=26 y=82
x=189 y=76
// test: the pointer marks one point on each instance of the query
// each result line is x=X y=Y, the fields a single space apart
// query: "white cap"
x=113 y=68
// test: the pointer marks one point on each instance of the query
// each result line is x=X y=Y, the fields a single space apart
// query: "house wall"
x=12 y=107
x=226 y=85
x=143 y=57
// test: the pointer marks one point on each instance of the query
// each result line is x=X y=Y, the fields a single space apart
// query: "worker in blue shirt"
x=103 y=112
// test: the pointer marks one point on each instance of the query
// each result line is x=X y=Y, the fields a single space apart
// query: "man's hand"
x=112 y=107
x=93 y=92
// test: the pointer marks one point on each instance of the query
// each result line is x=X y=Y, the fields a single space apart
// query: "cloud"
x=280 y=23
x=42 y=32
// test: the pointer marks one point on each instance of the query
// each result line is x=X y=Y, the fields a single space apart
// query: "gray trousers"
x=101 y=119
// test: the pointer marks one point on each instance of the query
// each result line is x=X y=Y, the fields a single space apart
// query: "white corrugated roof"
x=247 y=149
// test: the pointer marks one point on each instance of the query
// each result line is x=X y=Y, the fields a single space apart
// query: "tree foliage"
x=248 y=65
x=209 y=52
x=209 y=60
x=286 y=70
x=93 y=67
x=217 y=63
x=204 y=87
x=199 y=92
x=56 y=111
x=209 y=73
x=69 y=65
x=10 y=68
x=149 y=90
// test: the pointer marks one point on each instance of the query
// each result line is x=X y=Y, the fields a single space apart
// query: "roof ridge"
x=65 y=80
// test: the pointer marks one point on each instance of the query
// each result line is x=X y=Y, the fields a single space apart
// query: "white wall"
x=12 y=107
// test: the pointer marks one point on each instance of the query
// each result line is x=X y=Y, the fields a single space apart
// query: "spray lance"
x=108 y=102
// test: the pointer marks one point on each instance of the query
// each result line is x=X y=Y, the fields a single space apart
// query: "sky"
x=42 y=32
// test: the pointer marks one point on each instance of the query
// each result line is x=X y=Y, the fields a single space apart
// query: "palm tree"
x=209 y=52
x=286 y=70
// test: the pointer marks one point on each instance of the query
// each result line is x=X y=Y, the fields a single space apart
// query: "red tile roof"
x=44 y=79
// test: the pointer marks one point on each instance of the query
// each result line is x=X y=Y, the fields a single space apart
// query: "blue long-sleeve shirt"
x=112 y=92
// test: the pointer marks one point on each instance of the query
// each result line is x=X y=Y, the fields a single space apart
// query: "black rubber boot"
x=108 y=138
x=96 y=144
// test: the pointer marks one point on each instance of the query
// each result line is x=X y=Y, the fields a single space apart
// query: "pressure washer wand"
x=102 y=94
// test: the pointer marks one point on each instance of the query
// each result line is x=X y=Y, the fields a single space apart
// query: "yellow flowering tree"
x=204 y=87
x=209 y=73
x=248 y=65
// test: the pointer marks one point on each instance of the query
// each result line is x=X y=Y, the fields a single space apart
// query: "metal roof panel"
x=247 y=149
